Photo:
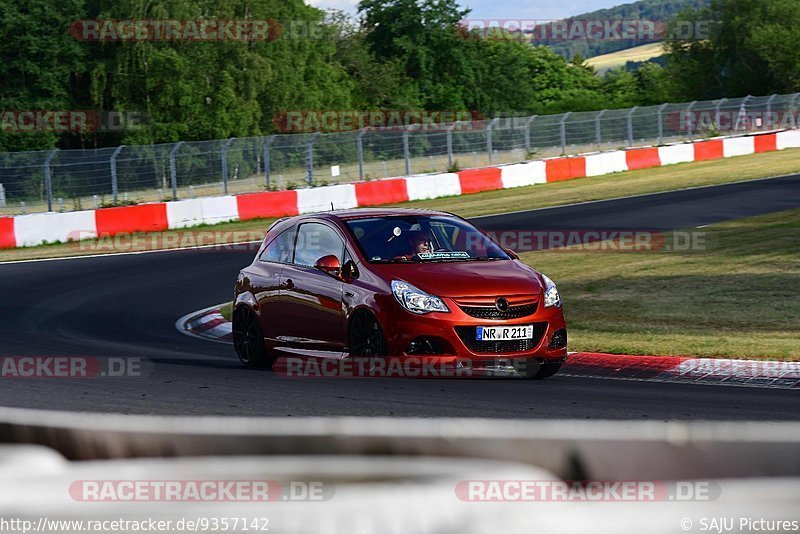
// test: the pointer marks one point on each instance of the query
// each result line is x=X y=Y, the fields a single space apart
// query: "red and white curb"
x=209 y=324
x=708 y=371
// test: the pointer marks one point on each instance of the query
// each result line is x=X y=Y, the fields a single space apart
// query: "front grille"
x=468 y=334
x=492 y=313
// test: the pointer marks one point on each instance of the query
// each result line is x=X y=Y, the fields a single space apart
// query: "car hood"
x=466 y=279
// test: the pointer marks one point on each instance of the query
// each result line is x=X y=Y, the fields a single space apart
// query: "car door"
x=264 y=278
x=313 y=318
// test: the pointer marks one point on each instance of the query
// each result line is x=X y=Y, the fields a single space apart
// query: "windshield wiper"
x=396 y=260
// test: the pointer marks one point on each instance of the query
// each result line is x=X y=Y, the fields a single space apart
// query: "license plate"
x=504 y=333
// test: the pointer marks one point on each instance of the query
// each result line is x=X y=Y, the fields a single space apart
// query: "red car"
x=400 y=284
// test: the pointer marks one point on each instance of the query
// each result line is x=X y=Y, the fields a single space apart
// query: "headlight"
x=417 y=301
x=551 y=296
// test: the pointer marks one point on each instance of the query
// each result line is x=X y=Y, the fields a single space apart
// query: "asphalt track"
x=126 y=306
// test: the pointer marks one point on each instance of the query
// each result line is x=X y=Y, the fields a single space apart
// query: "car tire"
x=366 y=337
x=547 y=370
x=248 y=340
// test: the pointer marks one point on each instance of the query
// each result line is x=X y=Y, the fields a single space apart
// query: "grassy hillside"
x=655 y=10
x=606 y=62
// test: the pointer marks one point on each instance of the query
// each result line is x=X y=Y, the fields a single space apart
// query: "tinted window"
x=315 y=241
x=280 y=249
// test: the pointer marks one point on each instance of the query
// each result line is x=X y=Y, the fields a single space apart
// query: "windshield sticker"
x=427 y=256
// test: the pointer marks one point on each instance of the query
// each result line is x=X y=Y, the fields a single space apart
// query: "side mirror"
x=349 y=270
x=329 y=264
x=511 y=253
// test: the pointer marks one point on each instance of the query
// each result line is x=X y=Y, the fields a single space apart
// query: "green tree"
x=211 y=90
x=751 y=50
x=39 y=63
x=426 y=39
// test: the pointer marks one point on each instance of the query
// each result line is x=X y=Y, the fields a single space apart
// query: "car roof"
x=362 y=213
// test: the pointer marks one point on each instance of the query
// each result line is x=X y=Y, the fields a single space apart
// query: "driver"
x=420 y=243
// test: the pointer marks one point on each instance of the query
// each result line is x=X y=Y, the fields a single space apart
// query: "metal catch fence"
x=65 y=180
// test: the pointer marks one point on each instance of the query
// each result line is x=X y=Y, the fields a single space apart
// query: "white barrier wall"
x=606 y=163
x=790 y=139
x=185 y=213
x=220 y=209
x=320 y=198
x=738 y=146
x=39 y=228
x=425 y=187
x=523 y=174
x=670 y=155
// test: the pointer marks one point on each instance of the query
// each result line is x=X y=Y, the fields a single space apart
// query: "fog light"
x=425 y=346
x=559 y=340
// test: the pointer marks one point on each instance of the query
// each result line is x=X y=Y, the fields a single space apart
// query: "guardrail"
x=570 y=449
x=401 y=475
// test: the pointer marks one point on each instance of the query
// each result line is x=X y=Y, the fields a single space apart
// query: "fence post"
x=224 y=158
x=361 y=135
x=310 y=158
x=528 y=144
x=267 y=165
x=690 y=117
x=660 y=113
x=742 y=112
x=173 y=170
x=769 y=106
x=630 y=124
x=563 y=125
x=450 y=143
x=48 y=179
x=716 y=111
x=407 y=150
x=490 y=138
x=794 y=101
x=598 y=132
x=114 y=182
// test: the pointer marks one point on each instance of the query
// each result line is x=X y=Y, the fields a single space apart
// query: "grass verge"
x=540 y=196
x=226 y=310
x=740 y=298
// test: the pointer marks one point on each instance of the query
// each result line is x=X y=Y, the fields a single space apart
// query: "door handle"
x=349 y=294
x=288 y=284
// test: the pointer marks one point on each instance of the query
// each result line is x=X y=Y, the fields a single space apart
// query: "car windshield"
x=418 y=239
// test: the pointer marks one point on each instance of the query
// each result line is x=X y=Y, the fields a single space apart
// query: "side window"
x=280 y=249
x=314 y=241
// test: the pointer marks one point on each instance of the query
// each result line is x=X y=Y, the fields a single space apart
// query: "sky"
x=505 y=9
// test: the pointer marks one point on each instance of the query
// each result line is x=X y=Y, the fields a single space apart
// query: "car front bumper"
x=454 y=334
